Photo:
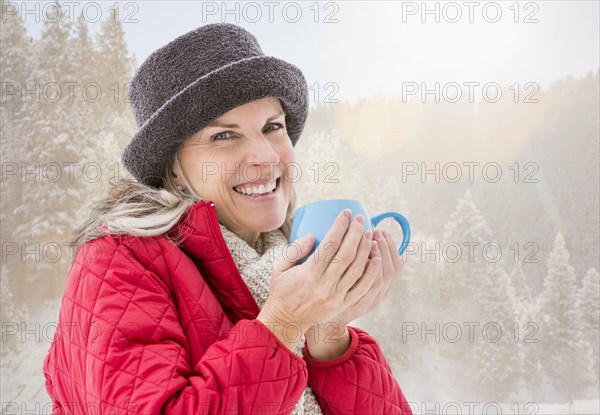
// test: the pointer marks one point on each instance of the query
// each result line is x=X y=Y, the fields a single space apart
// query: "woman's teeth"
x=258 y=190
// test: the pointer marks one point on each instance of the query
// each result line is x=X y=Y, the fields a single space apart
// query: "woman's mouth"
x=259 y=192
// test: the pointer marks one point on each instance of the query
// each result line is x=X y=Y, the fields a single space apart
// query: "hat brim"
x=208 y=98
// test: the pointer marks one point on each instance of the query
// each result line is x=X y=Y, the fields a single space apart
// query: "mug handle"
x=403 y=224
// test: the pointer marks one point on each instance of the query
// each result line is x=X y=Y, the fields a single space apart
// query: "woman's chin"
x=267 y=224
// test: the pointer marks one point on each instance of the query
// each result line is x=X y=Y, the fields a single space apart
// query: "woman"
x=184 y=296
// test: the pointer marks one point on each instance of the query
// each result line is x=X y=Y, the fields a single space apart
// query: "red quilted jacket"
x=148 y=327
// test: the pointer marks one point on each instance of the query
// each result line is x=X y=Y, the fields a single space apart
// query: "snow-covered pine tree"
x=106 y=68
x=115 y=65
x=101 y=132
x=462 y=265
x=63 y=145
x=529 y=356
x=87 y=103
x=495 y=352
x=589 y=312
x=43 y=131
x=16 y=67
x=17 y=64
x=116 y=68
x=41 y=134
x=525 y=329
x=528 y=330
x=519 y=290
x=566 y=354
x=8 y=314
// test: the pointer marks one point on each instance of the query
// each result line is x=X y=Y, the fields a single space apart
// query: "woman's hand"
x=384 y=247
x=336 y=276
x=326 y=340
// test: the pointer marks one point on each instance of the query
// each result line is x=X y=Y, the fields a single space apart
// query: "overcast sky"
x=369 y=48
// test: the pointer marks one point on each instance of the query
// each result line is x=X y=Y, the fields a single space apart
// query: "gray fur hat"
x=196 y=78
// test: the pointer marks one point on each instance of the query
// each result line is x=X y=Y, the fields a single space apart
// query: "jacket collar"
x=203 y=242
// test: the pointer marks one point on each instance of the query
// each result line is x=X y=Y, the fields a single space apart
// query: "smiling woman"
x=257 y=142
x=183 y=274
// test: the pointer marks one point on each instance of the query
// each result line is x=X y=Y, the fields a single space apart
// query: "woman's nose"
x=261 y=150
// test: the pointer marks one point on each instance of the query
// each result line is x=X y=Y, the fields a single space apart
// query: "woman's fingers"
x=347 y=252
x=374 y=286
x=396 y=260
x=358 y=266
x=319 y=260
x=386 y=258
x=364 y=284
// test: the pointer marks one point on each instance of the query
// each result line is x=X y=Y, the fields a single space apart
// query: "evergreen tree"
x=495 y=352
x=529 y=338
x=529 y=356
x=87 y=91
x=69 y=137
x=473 y=287
x=589 y=312
x=115 y=65
x=45 y=133
x=97 y=134
x=35 y=144
x=520 y=291
x=566 y=354
x=462 y=265
x=8 y=313
x=16 y=66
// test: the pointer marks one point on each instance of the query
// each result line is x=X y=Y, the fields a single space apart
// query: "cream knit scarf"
x=255 y=266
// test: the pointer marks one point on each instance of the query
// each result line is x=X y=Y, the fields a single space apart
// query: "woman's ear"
x=178 y=184
x=175 y=176
x=176 y=180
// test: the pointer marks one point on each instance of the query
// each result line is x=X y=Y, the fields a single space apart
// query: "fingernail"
x=347 y=213
x=377 y=234
x=360 y=219
x=375 y=246
x=369 y=235
x=385 y=233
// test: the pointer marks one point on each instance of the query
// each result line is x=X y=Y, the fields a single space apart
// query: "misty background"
x=498 y=301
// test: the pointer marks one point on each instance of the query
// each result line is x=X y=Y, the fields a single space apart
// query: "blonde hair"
x=133 y=208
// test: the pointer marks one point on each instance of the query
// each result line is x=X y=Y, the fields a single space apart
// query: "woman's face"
x=240 y=150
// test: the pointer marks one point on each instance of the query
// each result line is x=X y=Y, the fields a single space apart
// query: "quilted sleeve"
x=133 y=357
x=358 y=382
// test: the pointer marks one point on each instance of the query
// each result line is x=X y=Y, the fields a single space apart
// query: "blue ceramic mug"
x=318 y=217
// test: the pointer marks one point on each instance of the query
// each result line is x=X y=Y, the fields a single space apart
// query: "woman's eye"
x=220 y=135
x=223 y=135
x=276 y=124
